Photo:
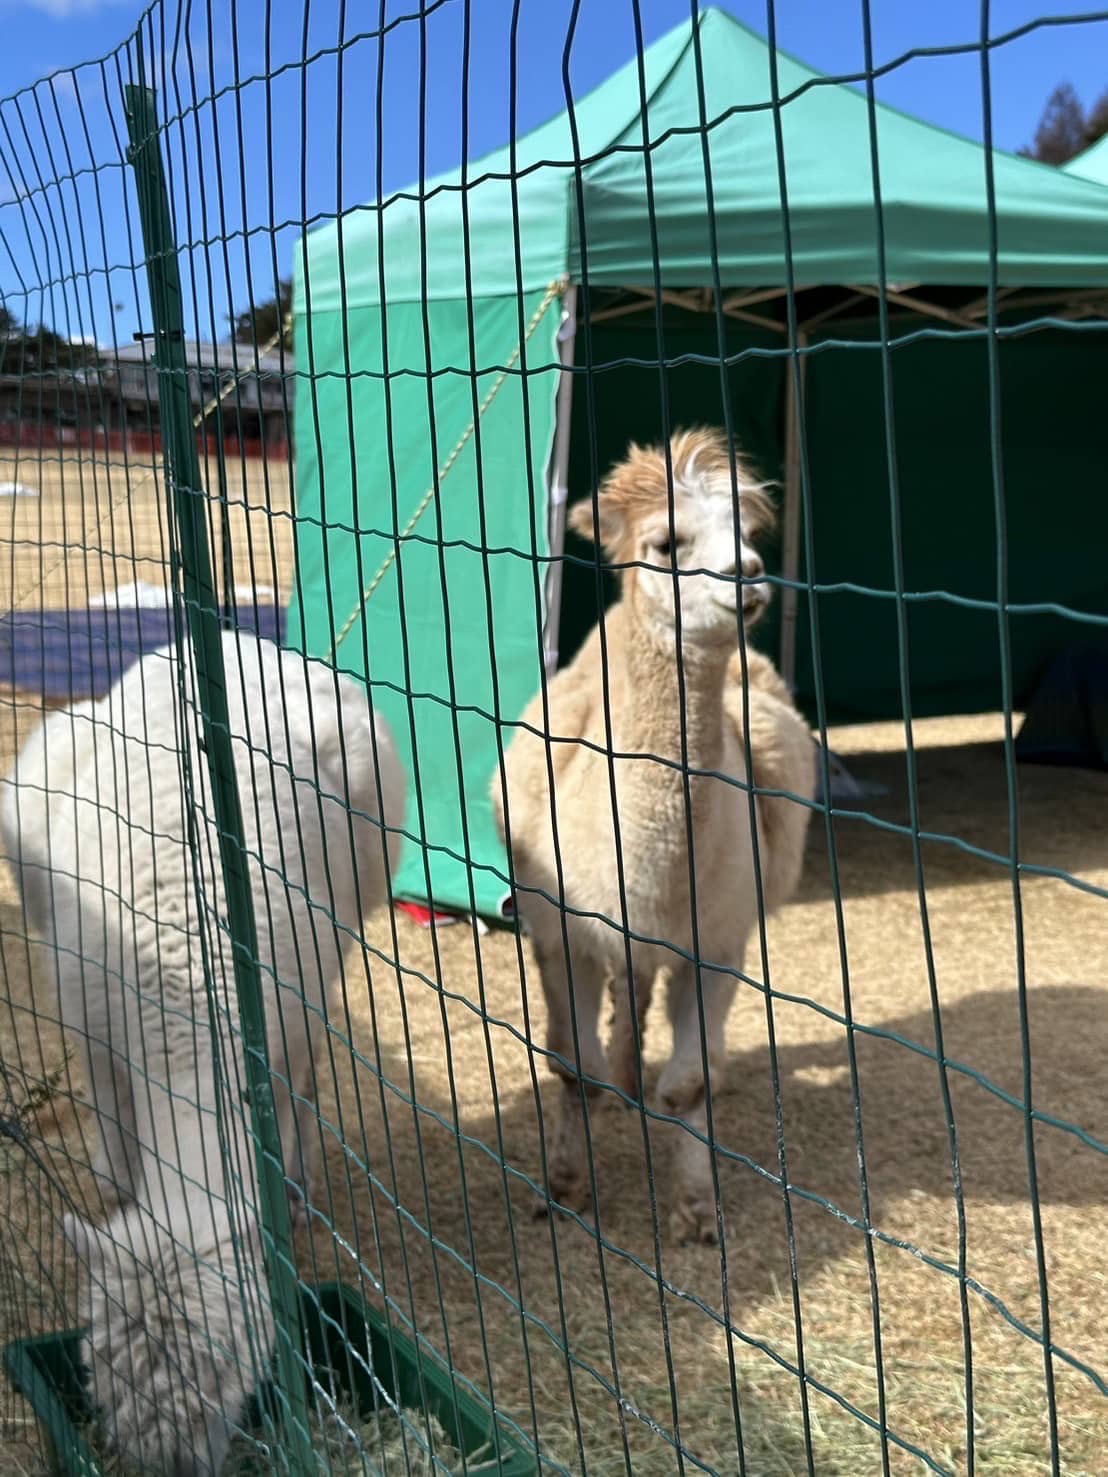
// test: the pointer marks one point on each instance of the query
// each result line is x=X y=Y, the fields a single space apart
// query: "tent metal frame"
x=558 y=480
x=1069 y=305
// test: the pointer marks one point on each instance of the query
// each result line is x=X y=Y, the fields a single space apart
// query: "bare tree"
x=260 y=323
x=1062 y=129
x=1096 y=124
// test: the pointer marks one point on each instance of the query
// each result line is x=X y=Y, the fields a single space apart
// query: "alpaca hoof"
x=681 y=1095
x=568 y=1194
x=694 y=1223
x=555 y=1207
x=546 y=1210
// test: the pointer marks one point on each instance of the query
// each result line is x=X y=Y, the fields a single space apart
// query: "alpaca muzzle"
x=756 y=600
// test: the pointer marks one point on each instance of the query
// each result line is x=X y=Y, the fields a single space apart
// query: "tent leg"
x=558 y=481
x=790 y=553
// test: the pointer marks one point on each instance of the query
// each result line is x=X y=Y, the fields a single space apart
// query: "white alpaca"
x=108 y=846
x=646 y=707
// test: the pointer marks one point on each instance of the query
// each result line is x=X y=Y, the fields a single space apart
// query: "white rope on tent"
x=555 y=290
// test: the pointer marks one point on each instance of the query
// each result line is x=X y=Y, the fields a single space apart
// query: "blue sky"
x=289 y=129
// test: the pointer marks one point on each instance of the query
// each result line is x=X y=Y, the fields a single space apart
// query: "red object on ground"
x=424 y=916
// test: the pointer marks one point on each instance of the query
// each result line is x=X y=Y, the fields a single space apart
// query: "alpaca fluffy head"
x=347 y=754
x=378 y=784
x=170 y=1349
x=697 y=486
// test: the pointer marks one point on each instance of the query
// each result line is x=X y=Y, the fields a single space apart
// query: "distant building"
x=117 y=399
x=259 y=389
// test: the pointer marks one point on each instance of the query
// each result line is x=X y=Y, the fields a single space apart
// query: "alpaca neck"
x=658 y=706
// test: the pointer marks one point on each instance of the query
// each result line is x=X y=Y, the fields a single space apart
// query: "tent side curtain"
x=406 y=491
x=1051 y=387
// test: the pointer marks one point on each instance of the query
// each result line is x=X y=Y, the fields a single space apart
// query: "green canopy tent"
x=438 y=427
x=1091 y=163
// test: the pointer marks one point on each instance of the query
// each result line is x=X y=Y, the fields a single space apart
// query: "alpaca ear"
x=83 y=1236
x=581 y=520
x=612 y=525
x=760 y=508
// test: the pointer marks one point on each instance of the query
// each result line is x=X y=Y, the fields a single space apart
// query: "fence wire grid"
x=503 y=509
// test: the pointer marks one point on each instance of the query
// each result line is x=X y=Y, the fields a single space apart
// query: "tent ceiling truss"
x=1068 y=305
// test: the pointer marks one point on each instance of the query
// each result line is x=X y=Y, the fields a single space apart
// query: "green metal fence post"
x=183 y=478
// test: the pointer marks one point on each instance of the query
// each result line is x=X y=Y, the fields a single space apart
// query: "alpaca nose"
x=755 y=595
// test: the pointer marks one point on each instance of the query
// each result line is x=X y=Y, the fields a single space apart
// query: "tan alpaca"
x=645 y=703
x=784 y=757
x=121 y=879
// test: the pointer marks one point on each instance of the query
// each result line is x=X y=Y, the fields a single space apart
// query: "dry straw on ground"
x=457 y=1259
x=438 y=1051
x=101 y=522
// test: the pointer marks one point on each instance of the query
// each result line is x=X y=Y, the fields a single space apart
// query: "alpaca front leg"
x=573 y=996
x=567 y=1149
x=630 y=1002
x=695 y=1216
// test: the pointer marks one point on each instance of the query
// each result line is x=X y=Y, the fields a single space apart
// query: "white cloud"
x=64 y=84
x=62 y=9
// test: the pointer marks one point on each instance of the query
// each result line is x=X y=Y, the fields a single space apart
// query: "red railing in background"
x=107 y=442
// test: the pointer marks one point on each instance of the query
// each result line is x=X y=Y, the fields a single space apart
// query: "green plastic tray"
x=351 y=1349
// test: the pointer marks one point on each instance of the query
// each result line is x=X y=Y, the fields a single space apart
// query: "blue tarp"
x=74 y=654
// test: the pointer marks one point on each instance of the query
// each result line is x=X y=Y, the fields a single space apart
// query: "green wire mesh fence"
x=670 y=544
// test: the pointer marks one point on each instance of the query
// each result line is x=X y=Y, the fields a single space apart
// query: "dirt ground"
x=101 y=522
x=445 y=1082
x=610 y=1361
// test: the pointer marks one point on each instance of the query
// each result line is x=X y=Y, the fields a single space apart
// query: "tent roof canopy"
x=577 y=194
x=1091 y=163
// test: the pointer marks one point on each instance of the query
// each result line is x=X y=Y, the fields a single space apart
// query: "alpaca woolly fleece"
x=109 y=818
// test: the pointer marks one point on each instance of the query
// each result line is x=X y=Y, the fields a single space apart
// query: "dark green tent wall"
x=424 y=514
x=1054 y=476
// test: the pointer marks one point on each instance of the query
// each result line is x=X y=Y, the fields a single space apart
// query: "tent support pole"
x=558 y=485
x=790 y=554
